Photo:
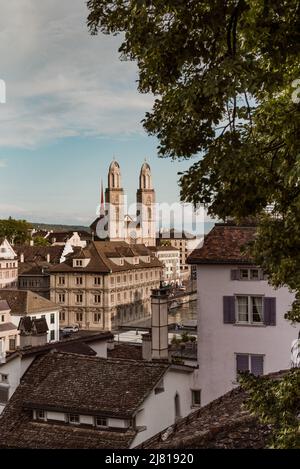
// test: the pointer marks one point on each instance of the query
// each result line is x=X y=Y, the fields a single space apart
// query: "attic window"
x=121 y=261
x=73 y=419
x=78 y=263
x=160 y=387
x=100 y=422
x=136 y=260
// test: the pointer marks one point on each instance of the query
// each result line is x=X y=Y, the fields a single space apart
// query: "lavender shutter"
x=228 y=309
x=270 y=311
x=242 y=363
x=235 y=274
x=257 y=365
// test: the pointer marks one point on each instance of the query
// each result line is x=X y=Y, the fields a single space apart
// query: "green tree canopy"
x=225 y=75
x=15 y=231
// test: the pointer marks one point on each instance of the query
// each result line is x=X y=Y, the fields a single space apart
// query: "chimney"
x=22 y=258
x=2 y=351
x=159 y=323
x=147 y=347
x=48 y=258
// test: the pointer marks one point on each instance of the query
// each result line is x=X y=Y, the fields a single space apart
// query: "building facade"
x=105 y=285
x=8 y=265
x=184 y=242
x=170 y=258
x=114 y=223
x=29 y=304
x=241 y=325
x=9 y=334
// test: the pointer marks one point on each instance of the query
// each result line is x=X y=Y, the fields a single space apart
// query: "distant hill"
x=46 y=227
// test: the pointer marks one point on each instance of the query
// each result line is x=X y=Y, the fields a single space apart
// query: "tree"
x=15 y=231
x=40 y=241
x=226 y=81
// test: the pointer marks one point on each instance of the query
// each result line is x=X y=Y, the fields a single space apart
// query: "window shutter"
x=257 y=365
x=270 y=311
x=235 y=274
x=242 y=363
x=229 y=309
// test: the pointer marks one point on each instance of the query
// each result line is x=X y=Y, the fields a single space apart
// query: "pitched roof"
x=100 y=254
x=37 y=254
x=223 y=245
x=26 y=302
x=7 y=326
x=74 y=383
x=126 y=351
x=225 y=423
x=4 y=306
x=35 y=326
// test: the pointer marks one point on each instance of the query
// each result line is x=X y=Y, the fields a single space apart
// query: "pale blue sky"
x=71 y=105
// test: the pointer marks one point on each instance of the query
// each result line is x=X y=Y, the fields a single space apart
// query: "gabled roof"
x=224 y=245
x=38 y=254
x=81 y=384
x=100 y=254
x=22 y=302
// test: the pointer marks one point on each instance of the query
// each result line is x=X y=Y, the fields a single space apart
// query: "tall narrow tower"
x=146 y=207
x=114 y=203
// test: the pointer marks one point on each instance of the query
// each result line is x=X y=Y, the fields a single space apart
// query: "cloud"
x=62 y=82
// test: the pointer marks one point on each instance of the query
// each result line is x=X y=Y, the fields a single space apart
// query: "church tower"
x=146 y=207
x=114 y=203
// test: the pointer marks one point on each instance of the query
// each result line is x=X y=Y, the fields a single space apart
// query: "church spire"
x=102 y=209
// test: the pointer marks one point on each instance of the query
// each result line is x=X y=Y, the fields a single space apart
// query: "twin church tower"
x=114 y=224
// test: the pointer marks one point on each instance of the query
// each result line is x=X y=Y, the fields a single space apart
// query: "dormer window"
x=136 y=260
x=101 y=422
x=78 y=263
x=40 y=415
x=74 y=419
x=121 y=261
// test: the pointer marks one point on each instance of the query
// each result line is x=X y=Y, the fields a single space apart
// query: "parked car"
x=69 y=329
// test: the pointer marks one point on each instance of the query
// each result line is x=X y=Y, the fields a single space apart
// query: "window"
x=160 y=387
x=4 y=394
x=78 y=263
x=12 y=343
x=40 y=415
x=119 y=296
x=79 y=317
x=97 y=299
x=52 y=335
x=254 y=274
x=61 y=280
x=112 y=280
x=112 y=298
x=247 y=274
x=97 y=280
x=79 y=298
x=196 y=397
x=61 y=298
x=79 y=280
x=118 y=279
x=74 y=419
x=250 y=362
x=125 y=279
x=249 y=309
x=62 y=316
x=97 y=317
x=100 y=422
x=52 y=318
x=2 y=318
x=4 y=378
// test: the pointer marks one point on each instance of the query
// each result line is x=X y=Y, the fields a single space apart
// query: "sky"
x=71 y=107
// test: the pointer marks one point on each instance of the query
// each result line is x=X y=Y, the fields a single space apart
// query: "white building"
x=241 y=323
x=170 y=258
x=26 y=303
x=9 y=334
x=8 y=265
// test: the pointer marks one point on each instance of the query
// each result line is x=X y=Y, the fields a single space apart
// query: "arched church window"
x=149 y=213
x=144 y=181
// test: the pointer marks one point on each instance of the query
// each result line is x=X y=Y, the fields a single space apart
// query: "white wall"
x=100 y=347
x=52 y=327
x=158 y=410
x=12 y=368
x=218 y=342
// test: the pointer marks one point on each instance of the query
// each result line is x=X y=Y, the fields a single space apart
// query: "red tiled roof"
x=224 y=245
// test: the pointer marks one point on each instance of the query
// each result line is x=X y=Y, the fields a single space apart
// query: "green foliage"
x=223 y=75
x=277 y=402
x=16 y=231
x=40 y=241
